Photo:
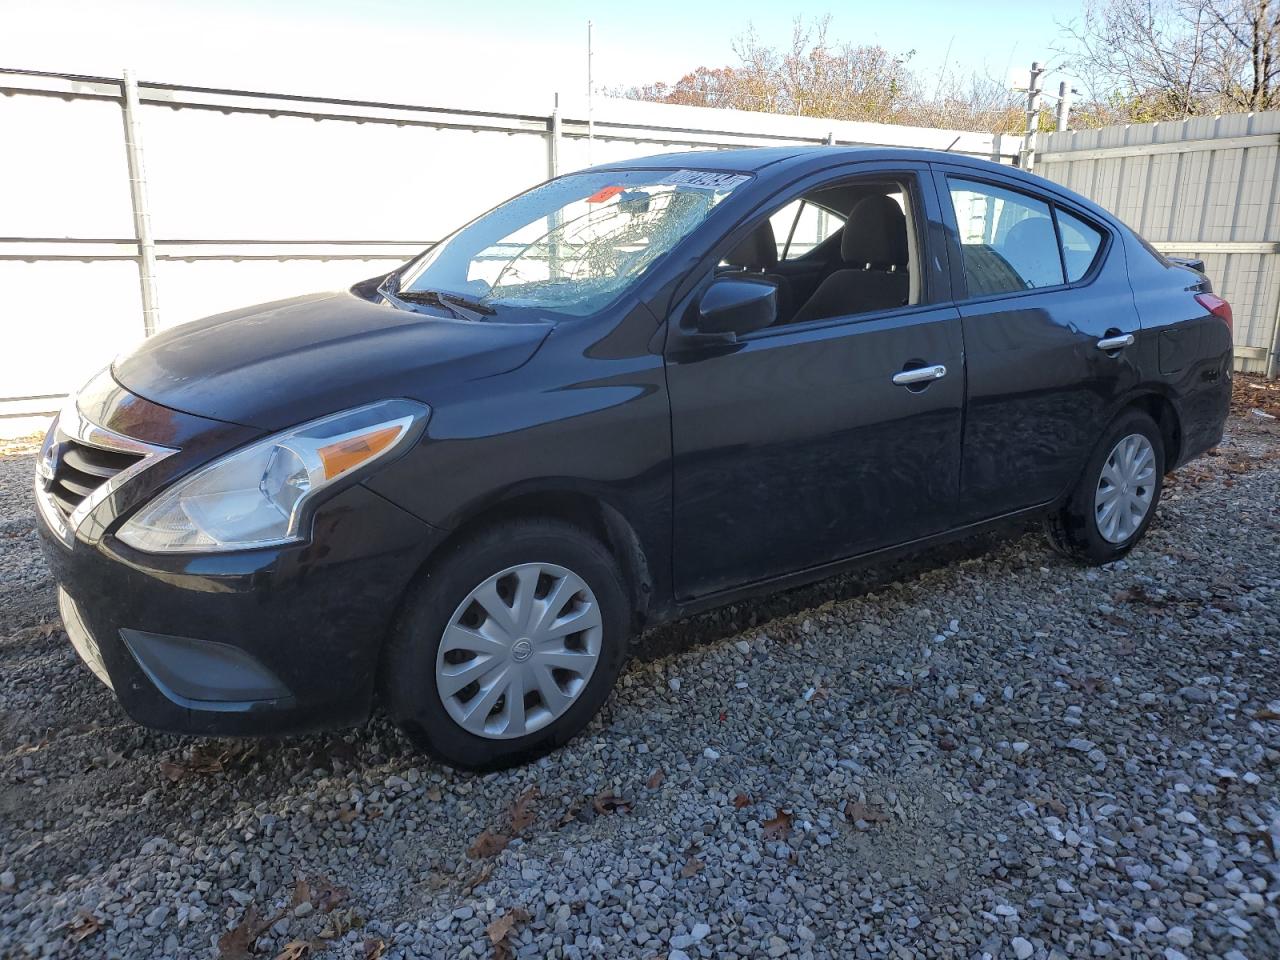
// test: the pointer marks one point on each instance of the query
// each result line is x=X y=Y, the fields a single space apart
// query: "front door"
x=795 y=446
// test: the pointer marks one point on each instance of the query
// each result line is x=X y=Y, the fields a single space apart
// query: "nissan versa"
x=456 y=491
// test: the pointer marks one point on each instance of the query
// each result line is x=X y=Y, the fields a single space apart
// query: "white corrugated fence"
x=1207 y=187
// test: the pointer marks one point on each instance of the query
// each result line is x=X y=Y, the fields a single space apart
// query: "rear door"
x=1047 y=313
x=794 y=447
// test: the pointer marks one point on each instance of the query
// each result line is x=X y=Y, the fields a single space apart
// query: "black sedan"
x=456 y=491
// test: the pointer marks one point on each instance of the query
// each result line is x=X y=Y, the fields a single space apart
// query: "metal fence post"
x=141 y=210
x=553 y=147
x=1273 y=357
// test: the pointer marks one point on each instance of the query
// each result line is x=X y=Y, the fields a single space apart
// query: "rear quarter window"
x=1081 y=244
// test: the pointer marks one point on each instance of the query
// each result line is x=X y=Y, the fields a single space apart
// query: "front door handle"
x=1116 y=343
x=920 y=375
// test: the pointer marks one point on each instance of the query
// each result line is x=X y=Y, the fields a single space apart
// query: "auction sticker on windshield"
x=705 y=179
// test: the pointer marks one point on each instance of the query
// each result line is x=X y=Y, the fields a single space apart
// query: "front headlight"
x=257 y=496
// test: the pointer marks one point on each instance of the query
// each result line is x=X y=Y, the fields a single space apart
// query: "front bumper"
x=264 y=641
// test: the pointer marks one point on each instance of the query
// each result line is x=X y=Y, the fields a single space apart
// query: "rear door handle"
x=1115 y=343
x=920 y=375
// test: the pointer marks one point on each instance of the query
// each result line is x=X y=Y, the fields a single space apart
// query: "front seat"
x=874 y=274
x=757 y=255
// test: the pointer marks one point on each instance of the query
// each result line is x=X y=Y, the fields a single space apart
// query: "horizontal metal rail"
x=88 y=250
x=1216 y=246
x=1176 y=146
x=69 y=86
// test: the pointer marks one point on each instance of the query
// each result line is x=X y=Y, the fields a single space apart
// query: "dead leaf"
x=83 y=926
x=301 y=892
x=478 y=877
x=347 y=815
x=326 y=895
x=237 y=943
x=500 y=929
x=522 y=815
x=340 y=921
x=208 y=758
x=1055 y=805
x=488 y=844
x=1266 y=715
x=374 y=949
x=740 y=801
x=691 y=867
x=294 y=950
x=433 y=794
x=44 y=630
x=25 y=748
x=173 y=772
x=610 y=803
x=856 y=811
x=656 y=778
x=947 y=742
x=779 y=828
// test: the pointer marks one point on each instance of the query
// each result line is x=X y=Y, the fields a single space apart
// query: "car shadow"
x=683 y=635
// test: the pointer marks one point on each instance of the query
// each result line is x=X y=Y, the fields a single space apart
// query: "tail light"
x=1218 y=307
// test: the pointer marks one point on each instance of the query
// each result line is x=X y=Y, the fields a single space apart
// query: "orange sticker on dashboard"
x=600 y=196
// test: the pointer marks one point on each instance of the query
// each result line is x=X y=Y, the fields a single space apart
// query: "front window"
x=574 y=244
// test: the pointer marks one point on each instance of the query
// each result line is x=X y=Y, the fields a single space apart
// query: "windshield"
x=574 y=244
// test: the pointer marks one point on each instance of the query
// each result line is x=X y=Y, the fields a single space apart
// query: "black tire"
x=409 y=663
x=1073 y=529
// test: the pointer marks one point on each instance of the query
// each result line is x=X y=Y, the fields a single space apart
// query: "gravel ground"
x=1001 y=754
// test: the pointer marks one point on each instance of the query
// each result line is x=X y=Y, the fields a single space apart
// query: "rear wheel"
x=1115 y=499
x=509 y=645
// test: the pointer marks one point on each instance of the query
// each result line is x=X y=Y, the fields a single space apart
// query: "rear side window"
x=1007 y=240
x=1080 y=244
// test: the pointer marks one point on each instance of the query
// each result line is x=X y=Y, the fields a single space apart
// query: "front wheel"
x=509 y=644
x=1115 y=499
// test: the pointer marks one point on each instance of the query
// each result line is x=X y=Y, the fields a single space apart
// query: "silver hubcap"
x=1125 y=488
x=519 y=650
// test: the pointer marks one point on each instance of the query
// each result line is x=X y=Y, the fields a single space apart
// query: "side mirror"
x=732 y=306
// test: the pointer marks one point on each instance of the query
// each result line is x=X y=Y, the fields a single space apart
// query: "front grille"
x=80 y=469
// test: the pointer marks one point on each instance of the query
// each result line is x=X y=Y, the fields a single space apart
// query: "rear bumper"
x=261 y=642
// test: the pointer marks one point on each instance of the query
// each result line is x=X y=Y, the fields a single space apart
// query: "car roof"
x=755 y=159
x=804 y=158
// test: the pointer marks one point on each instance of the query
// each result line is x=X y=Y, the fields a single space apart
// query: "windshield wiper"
x=453 y=302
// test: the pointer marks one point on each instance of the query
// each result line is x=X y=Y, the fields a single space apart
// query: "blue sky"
x=486 y=48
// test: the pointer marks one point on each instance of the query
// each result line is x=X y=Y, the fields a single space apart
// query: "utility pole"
x=1064 y=106
x=1033 y=118
x=591 y=124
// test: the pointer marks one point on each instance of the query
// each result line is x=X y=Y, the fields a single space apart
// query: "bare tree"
x=1171 y=59
x=817 y=77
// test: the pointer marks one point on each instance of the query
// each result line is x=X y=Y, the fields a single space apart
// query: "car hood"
x=278 y=364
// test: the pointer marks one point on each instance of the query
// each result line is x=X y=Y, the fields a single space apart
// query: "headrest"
x=1031 y=248
x=876 y=232
x=757 y=251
